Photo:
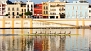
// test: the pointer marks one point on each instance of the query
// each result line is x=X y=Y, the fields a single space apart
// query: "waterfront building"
x=2 y=8
x=30 y=6
x=77 y=9
x=89 y=11
x=16 y=9
x=45 y=9
x=38 y=10
x=54 y=10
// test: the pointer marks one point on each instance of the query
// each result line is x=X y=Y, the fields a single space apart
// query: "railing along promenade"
x=78 y=27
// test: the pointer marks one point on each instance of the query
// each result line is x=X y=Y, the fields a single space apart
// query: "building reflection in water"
x=45 y=43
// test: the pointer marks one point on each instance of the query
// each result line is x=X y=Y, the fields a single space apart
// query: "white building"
x=3 y=8
x=30 y=6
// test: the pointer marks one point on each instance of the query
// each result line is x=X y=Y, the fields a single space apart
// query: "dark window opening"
x=62 y=15
x=13 y=13
x=22 y=10
x=52 y=17
x=56 y=16
x=17 y=13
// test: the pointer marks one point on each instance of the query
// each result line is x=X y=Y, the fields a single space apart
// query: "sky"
x=39 y=1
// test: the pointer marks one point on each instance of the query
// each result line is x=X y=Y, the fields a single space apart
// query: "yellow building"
x=54 y=10
x=16 y=9
x=45 y=9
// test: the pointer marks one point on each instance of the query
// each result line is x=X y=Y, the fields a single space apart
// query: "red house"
x=38 y=10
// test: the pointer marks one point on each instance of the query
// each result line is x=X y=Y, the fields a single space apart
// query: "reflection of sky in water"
x=48 y=43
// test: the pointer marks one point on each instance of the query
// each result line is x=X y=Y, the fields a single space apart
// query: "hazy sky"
x=39 y=1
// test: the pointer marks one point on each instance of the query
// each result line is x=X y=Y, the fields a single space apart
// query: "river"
x=81 y=42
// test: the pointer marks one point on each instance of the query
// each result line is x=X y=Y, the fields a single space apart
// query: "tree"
x=28 y=13
x=20 y=15
x=6 y=14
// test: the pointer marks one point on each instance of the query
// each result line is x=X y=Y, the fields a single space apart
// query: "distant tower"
x=56 y=0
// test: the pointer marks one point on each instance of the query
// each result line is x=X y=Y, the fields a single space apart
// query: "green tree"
x=28 y=13
x=20 y=15
x=6 y=14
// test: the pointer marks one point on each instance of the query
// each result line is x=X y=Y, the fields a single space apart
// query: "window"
x=44 y=7
x=22 y=13
x=8 y=16
x=73 y=7
x=89 y=11
x=80 y=14
x=31 y=6
x=77 y=8
x=17 y=13
x=28 y=6
x=17 y=9
x=46 y=12
x=80 y=7
x=12 y=9
x=31 y=9
x=22 y=10
x=9 y=13
x=52 y=17
x=27 y=9
x=13 y=13
x=17 y=16
x=8 y=9
x=89 y=16
x=57 y=17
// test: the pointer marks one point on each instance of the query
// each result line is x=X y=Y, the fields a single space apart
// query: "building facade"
x=38 y=10
x=30 y=6
x=3 y=8
x=57 y=10
x=54 y=10
x=77 y=9
x=16 y=9
x=45 y=9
